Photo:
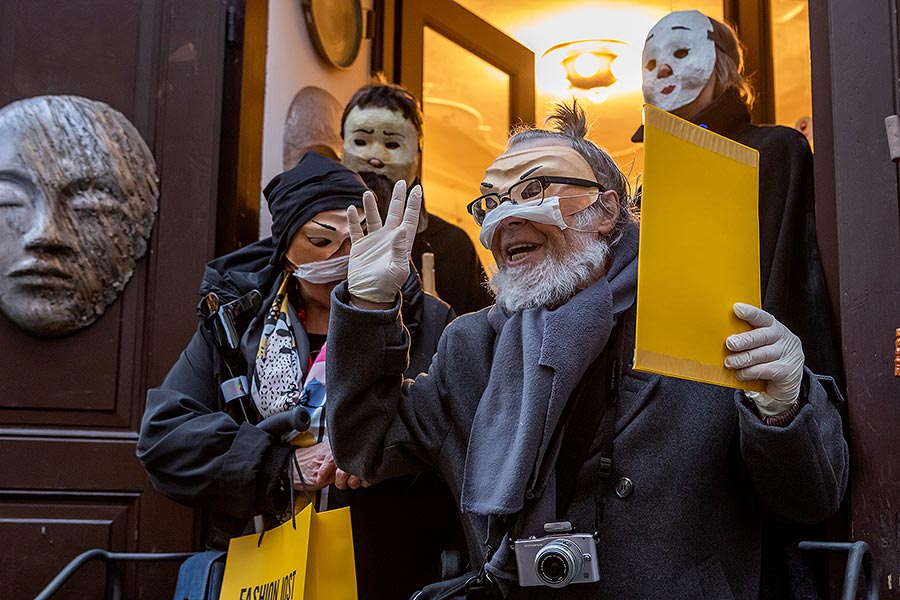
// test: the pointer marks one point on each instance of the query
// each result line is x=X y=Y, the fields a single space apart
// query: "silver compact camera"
x=558 y=559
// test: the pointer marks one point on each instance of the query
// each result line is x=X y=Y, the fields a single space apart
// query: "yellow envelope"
x=699 y=249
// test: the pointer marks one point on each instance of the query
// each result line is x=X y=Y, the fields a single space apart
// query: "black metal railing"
x=859 y=560
x=112 y=560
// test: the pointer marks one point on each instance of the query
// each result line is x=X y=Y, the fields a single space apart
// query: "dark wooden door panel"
x=70 y=407
x=100 y=49
x=49 y=531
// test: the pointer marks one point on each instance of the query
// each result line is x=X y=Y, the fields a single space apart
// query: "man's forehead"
x=379 y=119
x=543 y=159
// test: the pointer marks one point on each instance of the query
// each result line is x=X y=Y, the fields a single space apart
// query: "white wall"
x=291 y=64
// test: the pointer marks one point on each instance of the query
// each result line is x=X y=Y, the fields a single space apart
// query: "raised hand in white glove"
x=771 y=353
x=379 y=259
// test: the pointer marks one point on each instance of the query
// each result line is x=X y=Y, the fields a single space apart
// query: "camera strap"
x=225 y=324
x=593 y=413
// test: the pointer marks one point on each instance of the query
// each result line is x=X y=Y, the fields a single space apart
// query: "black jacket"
x=201 y=453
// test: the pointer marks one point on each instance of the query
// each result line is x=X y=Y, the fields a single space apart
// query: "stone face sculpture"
x=313 y=124
x=78 y=196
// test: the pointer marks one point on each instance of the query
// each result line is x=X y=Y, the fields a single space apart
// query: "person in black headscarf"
x=204 y=451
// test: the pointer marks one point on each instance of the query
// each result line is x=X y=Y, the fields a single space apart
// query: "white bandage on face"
x=324 y=271
x=678 y=59
x=547 y=212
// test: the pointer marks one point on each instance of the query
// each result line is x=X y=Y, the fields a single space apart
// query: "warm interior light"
x=598 y=95
x=587 y=64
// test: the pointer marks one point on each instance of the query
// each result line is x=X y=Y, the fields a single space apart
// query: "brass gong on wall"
x=336 y=28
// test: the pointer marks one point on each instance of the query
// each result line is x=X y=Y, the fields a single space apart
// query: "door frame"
x=399 y=52
x=858 y=212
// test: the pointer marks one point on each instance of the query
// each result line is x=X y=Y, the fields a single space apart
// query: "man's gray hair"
x=567 y=125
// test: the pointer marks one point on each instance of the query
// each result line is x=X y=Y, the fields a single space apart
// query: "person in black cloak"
x=693 y=66
x=792 y=278
x=203 y=451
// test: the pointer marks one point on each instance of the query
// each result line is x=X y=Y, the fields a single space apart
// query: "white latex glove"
x=771 y=353
x=379 y=259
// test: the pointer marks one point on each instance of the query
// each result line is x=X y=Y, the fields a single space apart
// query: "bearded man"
x=577 y=477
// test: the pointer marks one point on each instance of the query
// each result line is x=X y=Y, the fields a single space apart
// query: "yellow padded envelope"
x=699 y=249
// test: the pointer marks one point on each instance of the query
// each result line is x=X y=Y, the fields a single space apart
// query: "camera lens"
x=553 y=568
x=558 y=563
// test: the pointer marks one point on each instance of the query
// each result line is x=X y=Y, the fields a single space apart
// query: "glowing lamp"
x=588 y=63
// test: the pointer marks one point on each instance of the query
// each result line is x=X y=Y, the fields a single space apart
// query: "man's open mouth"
x=519 y=251
x=668 y=89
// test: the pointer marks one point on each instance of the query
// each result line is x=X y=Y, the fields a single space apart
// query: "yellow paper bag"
x=312 y=562
x=699 y=249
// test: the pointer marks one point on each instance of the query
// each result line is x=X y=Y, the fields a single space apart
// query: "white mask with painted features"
x=324 y=271
x=382 y=141
x=678 y=59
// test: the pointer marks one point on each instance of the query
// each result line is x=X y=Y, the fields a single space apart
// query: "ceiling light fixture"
x=588 y=63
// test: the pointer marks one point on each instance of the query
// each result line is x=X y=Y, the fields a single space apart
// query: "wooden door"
x=70 y=407
x=855 y=86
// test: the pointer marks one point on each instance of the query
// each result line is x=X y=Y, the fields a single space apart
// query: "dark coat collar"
x=726 y=115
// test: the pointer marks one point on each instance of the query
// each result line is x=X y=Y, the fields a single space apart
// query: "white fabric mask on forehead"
x=679 y=41
x=324 y=271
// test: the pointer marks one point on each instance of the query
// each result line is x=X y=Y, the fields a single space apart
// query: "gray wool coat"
x=704 y=467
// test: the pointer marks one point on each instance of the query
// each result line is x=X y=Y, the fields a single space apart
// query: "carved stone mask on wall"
x=313 y=124
x=78 y=196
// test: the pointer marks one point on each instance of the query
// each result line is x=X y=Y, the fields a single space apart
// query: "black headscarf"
x=315 y=185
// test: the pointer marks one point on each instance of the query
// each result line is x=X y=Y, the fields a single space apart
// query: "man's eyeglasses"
x=532 y=190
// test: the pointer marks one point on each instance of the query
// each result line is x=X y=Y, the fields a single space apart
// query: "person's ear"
x=609 y=211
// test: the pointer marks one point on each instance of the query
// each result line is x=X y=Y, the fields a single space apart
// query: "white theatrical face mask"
x=680 y=43
x=324 y=271
x=547 y=212
x=382 y=141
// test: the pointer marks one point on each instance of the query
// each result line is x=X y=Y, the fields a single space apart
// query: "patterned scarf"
x=313 y=398
x=277 y=377
x=275 y=386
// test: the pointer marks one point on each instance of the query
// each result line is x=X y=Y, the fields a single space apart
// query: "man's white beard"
x=551 y=282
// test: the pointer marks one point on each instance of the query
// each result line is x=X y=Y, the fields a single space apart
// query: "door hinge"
x=892 y=126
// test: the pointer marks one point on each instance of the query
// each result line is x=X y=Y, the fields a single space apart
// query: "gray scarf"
x=540 y=355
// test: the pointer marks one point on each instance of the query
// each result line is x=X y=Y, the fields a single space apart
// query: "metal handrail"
x=111 y=559
x=859 y=559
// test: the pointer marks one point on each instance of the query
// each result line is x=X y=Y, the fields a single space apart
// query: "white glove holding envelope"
x=769 y=352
